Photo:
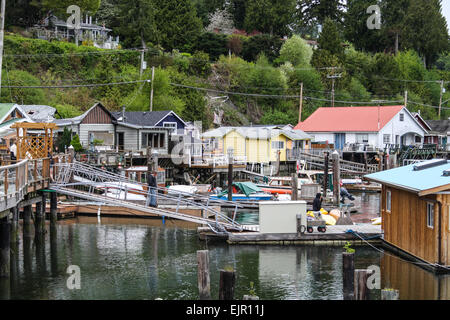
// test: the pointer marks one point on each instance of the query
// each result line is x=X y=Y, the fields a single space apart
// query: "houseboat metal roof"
x=423 y=181
x=264 y=133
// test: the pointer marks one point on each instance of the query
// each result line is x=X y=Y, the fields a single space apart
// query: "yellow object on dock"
x=329 y=220
x=376 y=221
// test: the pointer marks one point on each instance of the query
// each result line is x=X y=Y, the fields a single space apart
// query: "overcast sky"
x=446 y=11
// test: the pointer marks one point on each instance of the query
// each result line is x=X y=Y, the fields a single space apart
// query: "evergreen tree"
x=393 y=16
x=59 y=7
x=330 y=38
x=425 y=29
x=270 y=16
x=238 y=9
x=356 y=30
x=177 y=24
x=316 y=11
x=137 y=22
x=206 y=7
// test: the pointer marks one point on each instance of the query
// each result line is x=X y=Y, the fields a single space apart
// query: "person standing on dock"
x=317 y=203
x=152 y=189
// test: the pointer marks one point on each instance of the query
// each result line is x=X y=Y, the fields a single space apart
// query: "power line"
x=76 y=85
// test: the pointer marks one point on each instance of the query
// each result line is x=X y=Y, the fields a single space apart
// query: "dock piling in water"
x=53 y=208
x=226 y=286
x=348 y=268
x=360 y=285
x=204 y=288
x=5 y=244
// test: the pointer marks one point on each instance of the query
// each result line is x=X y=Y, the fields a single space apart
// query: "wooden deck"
x=335 y=235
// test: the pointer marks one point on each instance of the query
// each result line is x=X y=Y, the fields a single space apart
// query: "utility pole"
x=440 y=99
x=301 y=104
x=2 y=32
x=333 y=79
x=406 y=99
x=151 y=92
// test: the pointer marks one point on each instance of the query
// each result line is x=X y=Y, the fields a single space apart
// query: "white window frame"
x=279 y=145
x=362 y=138
x=169 y=125
x=430 y=215
x=388 y=140
x=402 y=117
x=388 y=200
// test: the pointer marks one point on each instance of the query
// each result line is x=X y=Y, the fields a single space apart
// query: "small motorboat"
x=244 y=191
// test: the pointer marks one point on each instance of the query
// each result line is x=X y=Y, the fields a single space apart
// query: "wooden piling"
x=325 y=174
x=348 y=268
x=294 y=196
x=53 y=208
x=27 y=212
x=336 y=177
x=390 y=294
x=226 y=285
x=39 y=219
x=360 y=284
x=5 y=245
x=230 y=175
x=204 y=288
x=14 y=224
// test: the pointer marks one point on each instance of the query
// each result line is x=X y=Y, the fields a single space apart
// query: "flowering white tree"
x=221 y=21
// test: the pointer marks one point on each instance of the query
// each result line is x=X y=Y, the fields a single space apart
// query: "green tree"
x=331 y=39
x=177 y=24
x=270 y=16
x=76 y=144
x=264 y=43
x=238 y=9
x=393 y=16
x=296 y=51
x=65 y=139
x=425 y=29
x=316 y=11
x=206 y=7
x=137 y=22
x=356 y=30
x=59 y=7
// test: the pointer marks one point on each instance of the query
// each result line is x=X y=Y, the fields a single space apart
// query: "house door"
x=339 y=141
x=120 y=141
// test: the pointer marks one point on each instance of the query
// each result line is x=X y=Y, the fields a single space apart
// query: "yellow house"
x=255 y=144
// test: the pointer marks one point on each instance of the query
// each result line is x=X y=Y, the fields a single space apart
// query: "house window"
x=153 y=140
x=402 y=117
x=278 y=145
x=362 y=138
x=386 y=138
x=430 y=215
x=101 y=138
x=172 y=126
x=418 y=139
x=388 y=200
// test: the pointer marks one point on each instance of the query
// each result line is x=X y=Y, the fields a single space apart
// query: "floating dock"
x=335 y=235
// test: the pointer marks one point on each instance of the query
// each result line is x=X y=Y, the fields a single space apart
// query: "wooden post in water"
x=14 y=224
x=336 y=177
x=294 y=196
x=361 y=290
x=348 y=267
x=27 y=211
x=390 y=294
x=226 y=285
x=230 y=174
x=5 y=245
x=325 y=175
x=53 y=208
x=39 y=219
x=204 y=287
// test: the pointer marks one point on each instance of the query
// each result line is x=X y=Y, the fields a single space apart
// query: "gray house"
x=125 y=131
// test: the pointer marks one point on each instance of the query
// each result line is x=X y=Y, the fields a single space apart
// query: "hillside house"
x=259 y=144
x=415 y=211
x=364 y=128
x=125 y=131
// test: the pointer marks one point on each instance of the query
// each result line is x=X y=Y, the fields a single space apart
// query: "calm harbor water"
x=123 y=258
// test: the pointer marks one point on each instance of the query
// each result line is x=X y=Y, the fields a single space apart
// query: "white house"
x=364 y=127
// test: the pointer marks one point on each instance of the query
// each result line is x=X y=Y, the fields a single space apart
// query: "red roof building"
x=374 y=126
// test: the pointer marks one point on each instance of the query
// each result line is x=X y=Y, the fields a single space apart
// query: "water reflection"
x=142 y=259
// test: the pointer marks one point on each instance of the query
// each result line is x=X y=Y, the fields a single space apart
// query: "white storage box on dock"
x=279 y=217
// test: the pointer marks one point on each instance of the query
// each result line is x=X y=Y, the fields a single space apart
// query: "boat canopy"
x=246 y=187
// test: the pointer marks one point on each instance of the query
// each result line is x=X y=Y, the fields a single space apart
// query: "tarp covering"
x=246 y=188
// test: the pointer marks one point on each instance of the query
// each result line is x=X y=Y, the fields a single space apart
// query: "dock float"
x=335 y=235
